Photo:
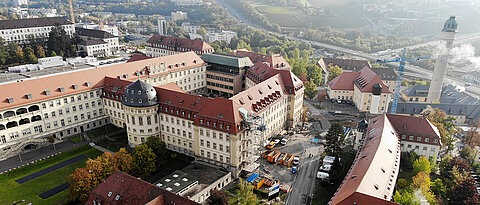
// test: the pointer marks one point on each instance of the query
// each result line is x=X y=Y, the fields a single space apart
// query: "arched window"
x=8 y=114
x=12 y=124
x=2 y=127
x=24 y=121
x=36 y=118
x=21 y=111
x=33 y=108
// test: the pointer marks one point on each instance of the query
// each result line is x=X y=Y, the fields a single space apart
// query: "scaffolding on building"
x=251 y=142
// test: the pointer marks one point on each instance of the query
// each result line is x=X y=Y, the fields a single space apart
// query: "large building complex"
x=364 y=88
x=348 y=65
x=151 y=97
x=20 y=31
x=159 y=45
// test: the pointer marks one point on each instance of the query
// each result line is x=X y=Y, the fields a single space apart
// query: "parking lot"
x=298 y=145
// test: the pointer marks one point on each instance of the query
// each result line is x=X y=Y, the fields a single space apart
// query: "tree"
x=19 y=54
x=245 y=193
x=402 y=183
x=53 y=53
x=83 y=180
x=243 y=45
x=463 y=193
x=334 y=139
x=202 y=32
x=333 y=72
x=40 y=52
x=421 y=165
x=445 y=125
x=406 y=198
x=421 y=181
x=310 y=89
x=218 y=197
x=438 y=187
x=446 y=166
x=158 y=147
x=30 y=55
x=144 y=161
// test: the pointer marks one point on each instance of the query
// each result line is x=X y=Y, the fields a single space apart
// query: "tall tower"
x=448 y=35
x=162 y=26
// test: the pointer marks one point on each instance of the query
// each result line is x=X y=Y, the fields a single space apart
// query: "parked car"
x=294 y=169
x=323 y=175
x=296 y=160
x=284 y=141
x=339 y=101
x=326 y=168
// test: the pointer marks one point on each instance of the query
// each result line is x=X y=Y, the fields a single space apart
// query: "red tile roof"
x=364 y=80
x=137 y=57
x=126 y=189
x=343 y=81
x=373 y=175
x=415 y=126
x=94 y=76
x=274 y=61
x=180 y=44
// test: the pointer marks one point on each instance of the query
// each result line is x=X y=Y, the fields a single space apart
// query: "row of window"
x=214 y=156
x=74 y=109
x=58 y=102
x=218 y=85
x=419 y=139
x=76 y=118
x=220 y=78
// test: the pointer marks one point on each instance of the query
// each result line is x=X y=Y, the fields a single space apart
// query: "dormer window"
x=29 y=96
x=140 y=101
x=139 y=92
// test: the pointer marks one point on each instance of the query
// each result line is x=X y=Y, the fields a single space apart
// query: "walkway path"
x=51 y=169
x=100 y=148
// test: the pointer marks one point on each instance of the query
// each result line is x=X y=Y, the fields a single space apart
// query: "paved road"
x=304 y=182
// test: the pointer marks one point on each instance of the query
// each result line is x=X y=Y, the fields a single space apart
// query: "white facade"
x=21 y=2
x=96 y=50
x=187 y=27
x=222 y=36
x=162 y=26
x=179 y=15
x=22 y=35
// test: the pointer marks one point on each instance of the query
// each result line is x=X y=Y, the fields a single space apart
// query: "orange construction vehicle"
x=281 y=158
x=258 y=182
x=265 y=154
x=272 y=157
x=288 y=161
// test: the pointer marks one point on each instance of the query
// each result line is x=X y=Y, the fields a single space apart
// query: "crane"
x=402 y=59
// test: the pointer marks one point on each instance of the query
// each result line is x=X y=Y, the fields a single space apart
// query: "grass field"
x=11 y=191
x=333 y=13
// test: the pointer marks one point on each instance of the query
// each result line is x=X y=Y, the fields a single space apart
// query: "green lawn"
x=11 y=191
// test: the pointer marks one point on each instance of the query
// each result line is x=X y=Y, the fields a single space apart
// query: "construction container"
x=264 y=154
x=272 y=157
x=282 y=158
x=289 y=160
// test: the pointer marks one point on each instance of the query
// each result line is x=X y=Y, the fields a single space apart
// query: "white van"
x=322 y=175
x=326 y=168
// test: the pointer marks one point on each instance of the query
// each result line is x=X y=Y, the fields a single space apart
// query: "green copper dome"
x=450 y=25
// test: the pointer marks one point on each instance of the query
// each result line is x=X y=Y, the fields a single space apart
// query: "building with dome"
x=152 y=97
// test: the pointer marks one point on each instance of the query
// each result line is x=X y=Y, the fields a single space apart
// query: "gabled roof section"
x=273 y=61
x=366 y=79
x=348 y=65
x=93 y=33
x=385 y=73
x=95 y=77
x=375 y=168
x=344 y=81
x=33 y=22
x=409 y=124
x=176 y=42
x=137 y=57
x=121 y=188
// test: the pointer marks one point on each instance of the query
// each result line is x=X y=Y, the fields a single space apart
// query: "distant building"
x=179 y=15
x=44 y=12
x=92 y=34
x=472 y=77
x=187 y=27
x=43 y=63
x=124 y=15
x=162 y=26
x=121 y=188
x=222 y=36
x=225 y=73
x=95 y=48
x=347 y=65
x=110 y=28
x=372 y=177
x=188 y=2
x=19 y=31
x=159 y=45
x=20 y=2
x=453 y=102
x=364 y=88
x=195 y=181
